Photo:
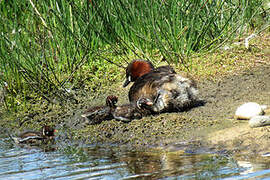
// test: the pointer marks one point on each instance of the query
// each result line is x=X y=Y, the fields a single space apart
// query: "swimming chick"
x=31 y=137
x=167 y=90
x=97 y=114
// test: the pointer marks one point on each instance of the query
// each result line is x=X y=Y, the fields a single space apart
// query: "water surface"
x=95 y=162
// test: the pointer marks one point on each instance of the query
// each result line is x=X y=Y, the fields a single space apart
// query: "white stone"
x=249 y=110
x=258 y=121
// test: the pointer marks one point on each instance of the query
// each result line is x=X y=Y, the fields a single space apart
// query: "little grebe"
x=97 y=114
x=166 y=89
x=128 y=112
x=46 y=133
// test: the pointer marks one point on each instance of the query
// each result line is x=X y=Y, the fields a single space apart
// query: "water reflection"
x=252 y=170
x=177 y=164
x=109 y=162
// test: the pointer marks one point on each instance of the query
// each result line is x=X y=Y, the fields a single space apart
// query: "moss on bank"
x=226 y=79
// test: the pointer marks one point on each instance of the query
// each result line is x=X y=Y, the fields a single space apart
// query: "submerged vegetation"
x=49 y=48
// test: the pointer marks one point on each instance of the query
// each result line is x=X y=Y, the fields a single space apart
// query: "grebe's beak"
x=128 y=80
x=149 y=103
x=126 y=83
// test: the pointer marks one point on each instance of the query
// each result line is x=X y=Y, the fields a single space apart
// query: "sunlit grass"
x=49 y=48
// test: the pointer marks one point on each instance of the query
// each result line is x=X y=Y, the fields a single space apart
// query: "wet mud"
x=212 y=125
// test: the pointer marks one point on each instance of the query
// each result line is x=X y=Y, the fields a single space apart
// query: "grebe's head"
x=111 y=101
x=48 y=131
x=136 y=69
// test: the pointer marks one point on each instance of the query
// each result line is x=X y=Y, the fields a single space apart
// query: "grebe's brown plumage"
x=125 y=113
x=136 y=110
x=134 y=70
x=97 y=114
x=169 y=91
x=30 y=137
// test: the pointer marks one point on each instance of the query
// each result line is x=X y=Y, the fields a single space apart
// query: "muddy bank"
x=212 y=124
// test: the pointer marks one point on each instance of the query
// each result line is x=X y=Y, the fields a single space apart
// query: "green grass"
x=48 y=48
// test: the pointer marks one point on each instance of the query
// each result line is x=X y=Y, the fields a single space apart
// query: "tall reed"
x=50 y=47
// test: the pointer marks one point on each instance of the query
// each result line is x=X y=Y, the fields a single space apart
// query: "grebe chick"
x=97 y=114
x=31 y=137
x=128 y=112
